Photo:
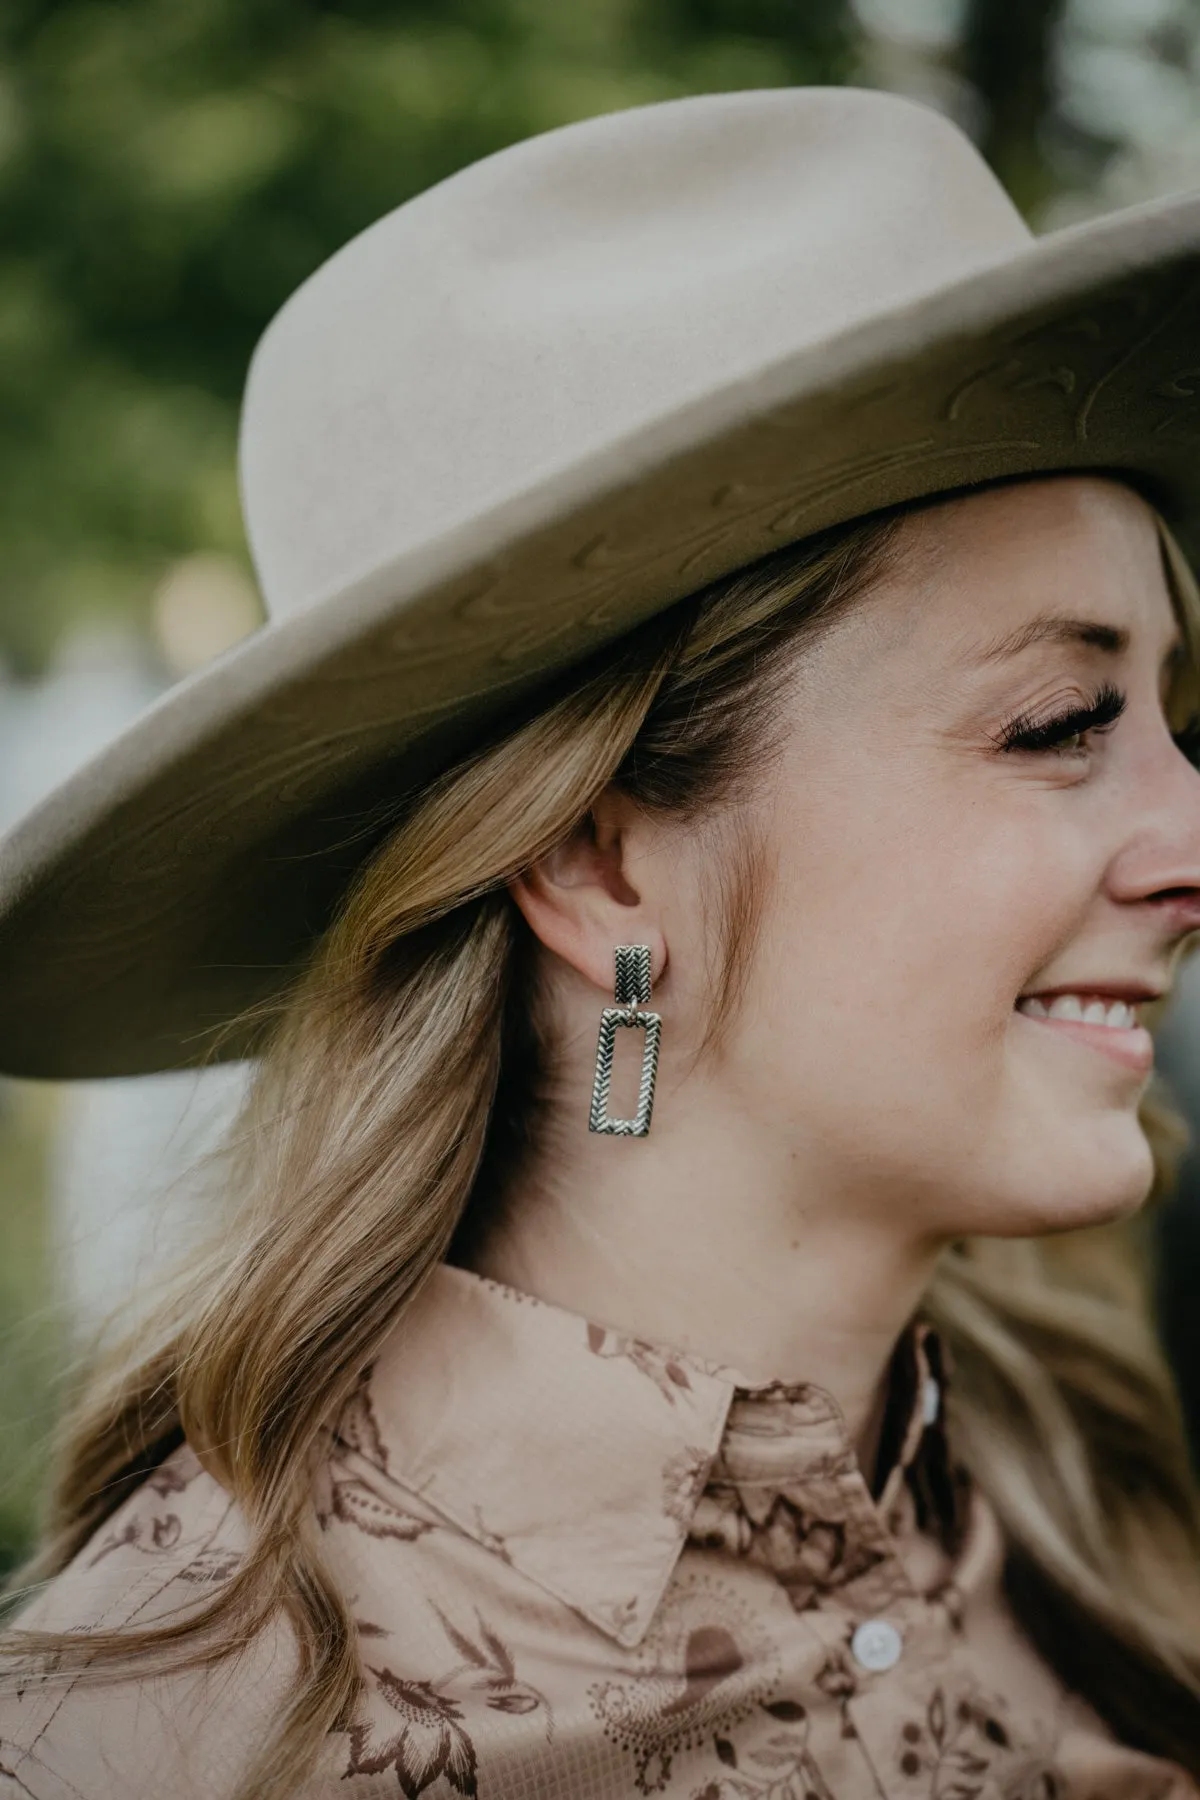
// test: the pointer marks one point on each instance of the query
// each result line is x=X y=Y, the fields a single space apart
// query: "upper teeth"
x=1089 y=1011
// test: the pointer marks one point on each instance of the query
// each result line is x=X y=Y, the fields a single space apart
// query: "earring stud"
x=631 y=991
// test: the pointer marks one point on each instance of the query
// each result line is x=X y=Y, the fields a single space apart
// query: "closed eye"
x=1028 y=733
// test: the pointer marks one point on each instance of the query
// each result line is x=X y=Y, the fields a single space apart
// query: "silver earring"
x=631 y=991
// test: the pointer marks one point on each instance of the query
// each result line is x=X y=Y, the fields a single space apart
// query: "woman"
x=730 y=561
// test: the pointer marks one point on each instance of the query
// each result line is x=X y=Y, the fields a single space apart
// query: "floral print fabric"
x=583 y=1566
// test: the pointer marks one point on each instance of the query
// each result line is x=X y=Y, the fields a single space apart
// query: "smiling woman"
x=782 y=1441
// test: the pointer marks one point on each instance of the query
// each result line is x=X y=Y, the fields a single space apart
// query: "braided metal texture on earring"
x=631 y=988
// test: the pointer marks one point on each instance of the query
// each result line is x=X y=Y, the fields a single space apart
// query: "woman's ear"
x=578 y=899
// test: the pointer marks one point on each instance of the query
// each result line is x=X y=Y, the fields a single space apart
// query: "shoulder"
x=161 y=1556
x=171 y=1542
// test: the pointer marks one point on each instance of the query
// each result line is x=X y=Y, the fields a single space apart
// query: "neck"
x=721 y=1247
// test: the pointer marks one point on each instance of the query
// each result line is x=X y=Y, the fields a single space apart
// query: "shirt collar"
x=579 y=1454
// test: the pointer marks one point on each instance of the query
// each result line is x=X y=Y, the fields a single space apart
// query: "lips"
x=1095 y=1020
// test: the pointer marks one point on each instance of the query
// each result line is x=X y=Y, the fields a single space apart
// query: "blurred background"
x=169 y=171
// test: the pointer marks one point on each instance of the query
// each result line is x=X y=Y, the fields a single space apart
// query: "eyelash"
x=1024 y=733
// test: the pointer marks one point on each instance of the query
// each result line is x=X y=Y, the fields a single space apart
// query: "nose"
x=1159 y=863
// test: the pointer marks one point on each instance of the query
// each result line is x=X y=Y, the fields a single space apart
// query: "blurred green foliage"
x=31 y=1347
x=171 y=169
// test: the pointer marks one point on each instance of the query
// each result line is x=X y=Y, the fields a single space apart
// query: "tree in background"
x=1007 y=57
x=169 y=173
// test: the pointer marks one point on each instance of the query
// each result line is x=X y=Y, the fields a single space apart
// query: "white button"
x=876 y=1644
x=931 y=1399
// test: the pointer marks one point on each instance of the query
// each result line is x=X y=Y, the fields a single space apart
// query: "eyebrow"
x=1064 y=628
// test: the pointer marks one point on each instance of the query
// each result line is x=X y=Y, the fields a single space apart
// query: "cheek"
x=900 y=935
x=880 y=1022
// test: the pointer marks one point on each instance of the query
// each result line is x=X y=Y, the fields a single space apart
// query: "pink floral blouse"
x=586 y=1567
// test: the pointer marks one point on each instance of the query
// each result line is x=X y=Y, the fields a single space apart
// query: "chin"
x=1104 y=1208
x=1104 y=1175
x=1099 y=1196
x=1079 y=1212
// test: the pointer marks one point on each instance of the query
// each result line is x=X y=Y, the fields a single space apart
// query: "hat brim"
x=182 y=875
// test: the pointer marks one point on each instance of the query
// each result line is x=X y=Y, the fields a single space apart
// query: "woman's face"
x=979 y=830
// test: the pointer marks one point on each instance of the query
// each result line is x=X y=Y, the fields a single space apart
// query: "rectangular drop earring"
x=631 y=991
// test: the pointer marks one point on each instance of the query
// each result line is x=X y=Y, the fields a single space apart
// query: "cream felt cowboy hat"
x=522 y=413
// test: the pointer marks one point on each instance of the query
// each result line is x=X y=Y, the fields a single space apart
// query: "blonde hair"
x=401 y=1080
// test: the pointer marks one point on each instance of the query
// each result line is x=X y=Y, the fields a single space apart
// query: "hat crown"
x=556 y=297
